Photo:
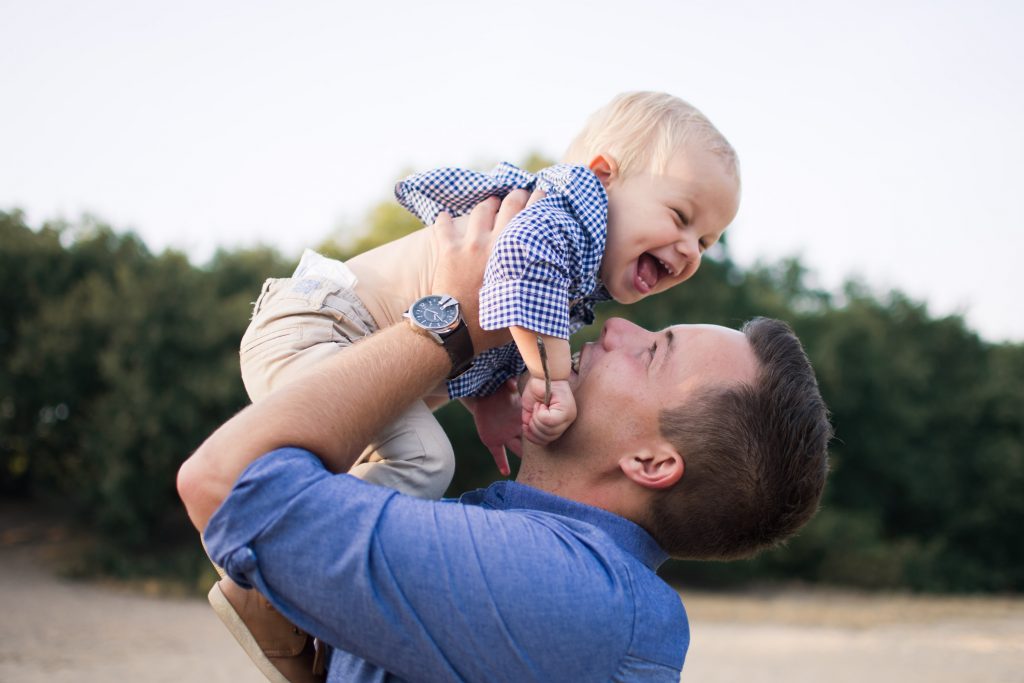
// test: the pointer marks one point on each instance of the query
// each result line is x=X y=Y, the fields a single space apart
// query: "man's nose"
x=618 y=332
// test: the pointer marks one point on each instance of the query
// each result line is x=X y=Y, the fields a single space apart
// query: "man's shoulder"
x=662 y=629
x=632 y=616
x=563 y=557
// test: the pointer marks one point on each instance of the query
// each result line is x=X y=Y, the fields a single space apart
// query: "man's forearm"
x=333 y=412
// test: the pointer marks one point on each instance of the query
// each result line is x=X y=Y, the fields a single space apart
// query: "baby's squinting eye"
x=651 y=351
x=682 y=217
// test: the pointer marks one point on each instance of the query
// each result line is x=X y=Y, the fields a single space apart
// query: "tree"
x=115 y=363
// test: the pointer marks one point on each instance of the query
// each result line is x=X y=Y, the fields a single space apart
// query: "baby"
x=644 y=190
x=647 y=186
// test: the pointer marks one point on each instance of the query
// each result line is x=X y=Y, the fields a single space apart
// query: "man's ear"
x=605 y=168
x=655 y=467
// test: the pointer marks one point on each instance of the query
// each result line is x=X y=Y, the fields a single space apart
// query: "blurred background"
x=158 y=162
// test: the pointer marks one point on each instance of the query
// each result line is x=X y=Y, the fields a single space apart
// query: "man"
x=695 y=441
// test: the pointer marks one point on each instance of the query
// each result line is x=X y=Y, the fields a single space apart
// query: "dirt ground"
x=56 y=630
x=841 y=637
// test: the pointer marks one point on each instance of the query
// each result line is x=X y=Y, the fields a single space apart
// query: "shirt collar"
x=510 y=495
x=585 y=194
x=601 y=293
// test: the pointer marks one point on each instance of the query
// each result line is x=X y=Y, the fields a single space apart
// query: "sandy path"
x=54 y=630
x=958 y=651
x=840 y=637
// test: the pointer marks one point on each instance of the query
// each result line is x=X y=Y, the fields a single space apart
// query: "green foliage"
x=535 y=161
x=115 y=363
x=929 y=431
x=387 y=222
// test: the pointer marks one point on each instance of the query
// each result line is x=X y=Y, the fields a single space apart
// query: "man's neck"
x=582 y=482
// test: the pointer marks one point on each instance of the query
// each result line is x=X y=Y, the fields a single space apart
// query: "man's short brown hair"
x=755 y=456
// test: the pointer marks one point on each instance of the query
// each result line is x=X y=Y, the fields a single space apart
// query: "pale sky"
x=883 y=140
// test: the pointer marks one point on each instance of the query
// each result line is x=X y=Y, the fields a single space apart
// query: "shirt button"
x=244 y=560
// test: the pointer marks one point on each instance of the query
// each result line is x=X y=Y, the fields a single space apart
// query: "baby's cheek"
x=678 y=281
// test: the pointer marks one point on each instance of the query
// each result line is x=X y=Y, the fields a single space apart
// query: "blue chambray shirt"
x=543 y=272
x=508 y=583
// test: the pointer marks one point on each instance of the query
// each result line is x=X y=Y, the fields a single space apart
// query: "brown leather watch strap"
x=459 y=346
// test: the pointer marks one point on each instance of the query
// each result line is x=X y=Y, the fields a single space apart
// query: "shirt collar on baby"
x=585 y=194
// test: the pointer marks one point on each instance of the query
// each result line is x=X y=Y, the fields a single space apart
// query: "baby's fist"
x=542 y=423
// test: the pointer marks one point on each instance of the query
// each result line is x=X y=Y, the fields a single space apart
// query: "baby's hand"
x=542 y=424
x=498 y=424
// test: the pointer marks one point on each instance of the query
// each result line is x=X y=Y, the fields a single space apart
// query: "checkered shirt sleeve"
x=458 y=190
x=548 y=256
x=542 y=274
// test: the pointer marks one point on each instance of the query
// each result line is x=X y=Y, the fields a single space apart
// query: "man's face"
x=630 y=375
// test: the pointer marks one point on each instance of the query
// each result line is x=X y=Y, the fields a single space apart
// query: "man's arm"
x=393 y=368
x=320 y=414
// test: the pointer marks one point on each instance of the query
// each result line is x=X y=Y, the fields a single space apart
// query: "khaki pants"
x=296 y=323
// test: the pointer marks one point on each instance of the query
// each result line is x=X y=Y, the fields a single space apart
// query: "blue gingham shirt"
x=543 y=272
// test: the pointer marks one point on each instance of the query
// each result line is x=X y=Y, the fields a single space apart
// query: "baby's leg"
x=296 y=324
x=412 y=455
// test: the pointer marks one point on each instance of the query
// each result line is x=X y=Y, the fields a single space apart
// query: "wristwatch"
x=438 y=316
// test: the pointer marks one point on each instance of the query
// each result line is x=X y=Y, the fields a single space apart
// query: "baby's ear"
x=605 y=168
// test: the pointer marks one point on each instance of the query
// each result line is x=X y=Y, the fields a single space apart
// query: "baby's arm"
x=544 y=423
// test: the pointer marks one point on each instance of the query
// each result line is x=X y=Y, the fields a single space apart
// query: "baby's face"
x=659 y=225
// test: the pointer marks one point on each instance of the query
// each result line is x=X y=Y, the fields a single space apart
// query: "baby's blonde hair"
x=643 y=130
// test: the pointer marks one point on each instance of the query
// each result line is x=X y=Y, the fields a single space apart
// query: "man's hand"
x=498 y=423
x=543 y=424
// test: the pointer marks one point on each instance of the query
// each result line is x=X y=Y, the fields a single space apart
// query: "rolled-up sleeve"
x=255 y=504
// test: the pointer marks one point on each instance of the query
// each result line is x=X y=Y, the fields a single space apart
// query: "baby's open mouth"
x=649 y=270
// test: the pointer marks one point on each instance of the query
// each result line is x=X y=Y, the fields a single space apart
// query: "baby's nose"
x=690 y=251
x=688 y=247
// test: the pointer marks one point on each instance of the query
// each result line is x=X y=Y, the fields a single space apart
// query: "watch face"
x=435 y=312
